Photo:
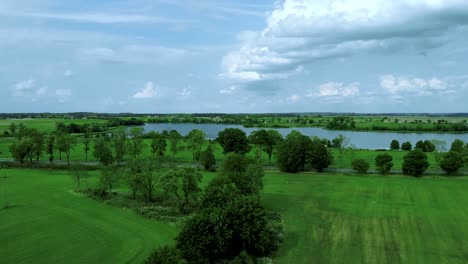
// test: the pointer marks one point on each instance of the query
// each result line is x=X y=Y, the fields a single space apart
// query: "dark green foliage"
x=109 y=178
x=425 y=146
x=219 y=192
x=233 y=140
x=274 y=138
x=415 y=163
x=319 y=156
x=452 y=162
x=119 y=140
x=191 y=178
x=102 y=151
x=135 y=145
x=293 y=153
x=165 y=255
x=406 y=146
x=457 y=145
x=384 y=163
x=196 y=138
x=20 y=149
x=223 y=233
x=174 y=139
x=244 y=172
x=158 y=145
x=395 y=145
x=361 y=166
x=208 y=159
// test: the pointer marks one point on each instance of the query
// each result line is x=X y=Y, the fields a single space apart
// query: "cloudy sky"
x=166 y=56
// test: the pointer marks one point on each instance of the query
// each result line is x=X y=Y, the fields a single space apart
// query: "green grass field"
x=370 y=219
x=328 y=219
x=49 y=223
x=45 y=124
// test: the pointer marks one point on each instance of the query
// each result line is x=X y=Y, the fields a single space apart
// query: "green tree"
x=361 y=166
x=109 y=178
x=133 y=176
x=165 y=255
x=174 y=140
x=78 y=175
x=20 y=149
x=37 y=139
x=102 y=151
x=384 y=163
x=340 y=142
x=119 y=140
x=259 y=138
x=294 y=152
x=196 y=138
x=415 y=163
x=50 y=144
x=149 y=177
x=190 y=187
x=158 y=145
x=244 y=172
x=135 y=144
x=406 y=146
x=233 y=140
x=320 y=157
x=440 y=147
x=395 y=145
x=13 y=128
x=457 y=145
x=86 y=145
x=452 y=162
x=208 y=159
x=69 y=143
x=274 y=138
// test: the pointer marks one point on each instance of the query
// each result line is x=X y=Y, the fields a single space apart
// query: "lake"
x=360 y=139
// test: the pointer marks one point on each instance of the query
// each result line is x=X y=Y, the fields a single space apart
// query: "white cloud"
x=292 y=99
x=418 y=86
x=147 y=92
x=25 y=85
x=300 y=32
x=68 y=73
x=184 y=93
x=63 y=95
x=335 y=89
x=229 y=90
x=41 y=91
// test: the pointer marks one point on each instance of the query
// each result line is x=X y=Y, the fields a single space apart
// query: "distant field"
x=44 y=124
x=51 y=224
x=370 y=219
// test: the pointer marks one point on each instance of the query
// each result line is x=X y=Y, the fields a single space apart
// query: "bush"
x=384 y=163
x=406 y=146
x=452 y=162
x=361 y=166
x=165 y=255
x=415 y=163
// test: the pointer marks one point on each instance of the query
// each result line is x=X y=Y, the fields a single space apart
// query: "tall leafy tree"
x=457 y=145
x=50 y=146
x=102 y=151
x=174 y=140
x=395 y=145
x=13 y=128
x=119 y=140
x=406 y=146
x=294 y=152
x=158 y=145
x=86 y=145
x=319 y=157
x=452 y=162
x=208 y=159
x=136 y=145
x=196 y=138
x=233 y=140
x=341 y=143
x=415 y=163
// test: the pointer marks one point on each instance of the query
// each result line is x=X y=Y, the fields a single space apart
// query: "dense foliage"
x=415 y=163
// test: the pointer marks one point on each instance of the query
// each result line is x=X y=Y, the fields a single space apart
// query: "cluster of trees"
x=232 y=226
x=298 y=150
x=426 y=145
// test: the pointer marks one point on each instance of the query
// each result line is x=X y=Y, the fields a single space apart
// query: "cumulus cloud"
x=29 y=89
x=63 y=95
x=335 y=89
x=418 y=86
x=300 y=32
x=149 y=91
x=292 y=99
x=184 y=93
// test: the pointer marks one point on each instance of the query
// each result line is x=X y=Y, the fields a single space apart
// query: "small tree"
x=174 y=139
x=415 y=163
x=50 y=147
x=136 y=145
x=78 y=175
x=395 y=145
x=13 y=128
x=406 y=146
x=294 y=152
x=384 y=163
x=361 y=166
x=457 y=145
x=233 y=140
x=102 y=151
x=208 y=159
x=165 y=255
x=86 y=145
x=119 y=140
x=109 y=178
x=452 y=162
x=196 y=138
x=158 y=145
x=320 y=157
x=340 y=142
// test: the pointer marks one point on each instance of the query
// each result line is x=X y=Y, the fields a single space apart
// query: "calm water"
x=364 y=140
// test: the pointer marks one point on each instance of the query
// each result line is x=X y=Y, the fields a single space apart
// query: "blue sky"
x=234 y=56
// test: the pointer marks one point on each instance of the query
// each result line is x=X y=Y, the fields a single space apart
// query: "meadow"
x=328 y=218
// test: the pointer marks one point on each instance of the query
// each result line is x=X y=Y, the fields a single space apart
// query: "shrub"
x=452 y=162
x=165 y=255
x=361 y=166
x=415 y=163
x=384 y=163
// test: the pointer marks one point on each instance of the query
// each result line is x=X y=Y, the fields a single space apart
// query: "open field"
x=328 y=218
x=45 y=124
x=51 y=224
x=370 y=219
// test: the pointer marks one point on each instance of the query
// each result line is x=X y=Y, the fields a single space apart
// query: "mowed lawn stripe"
x=370 y=219
x=51 y=224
